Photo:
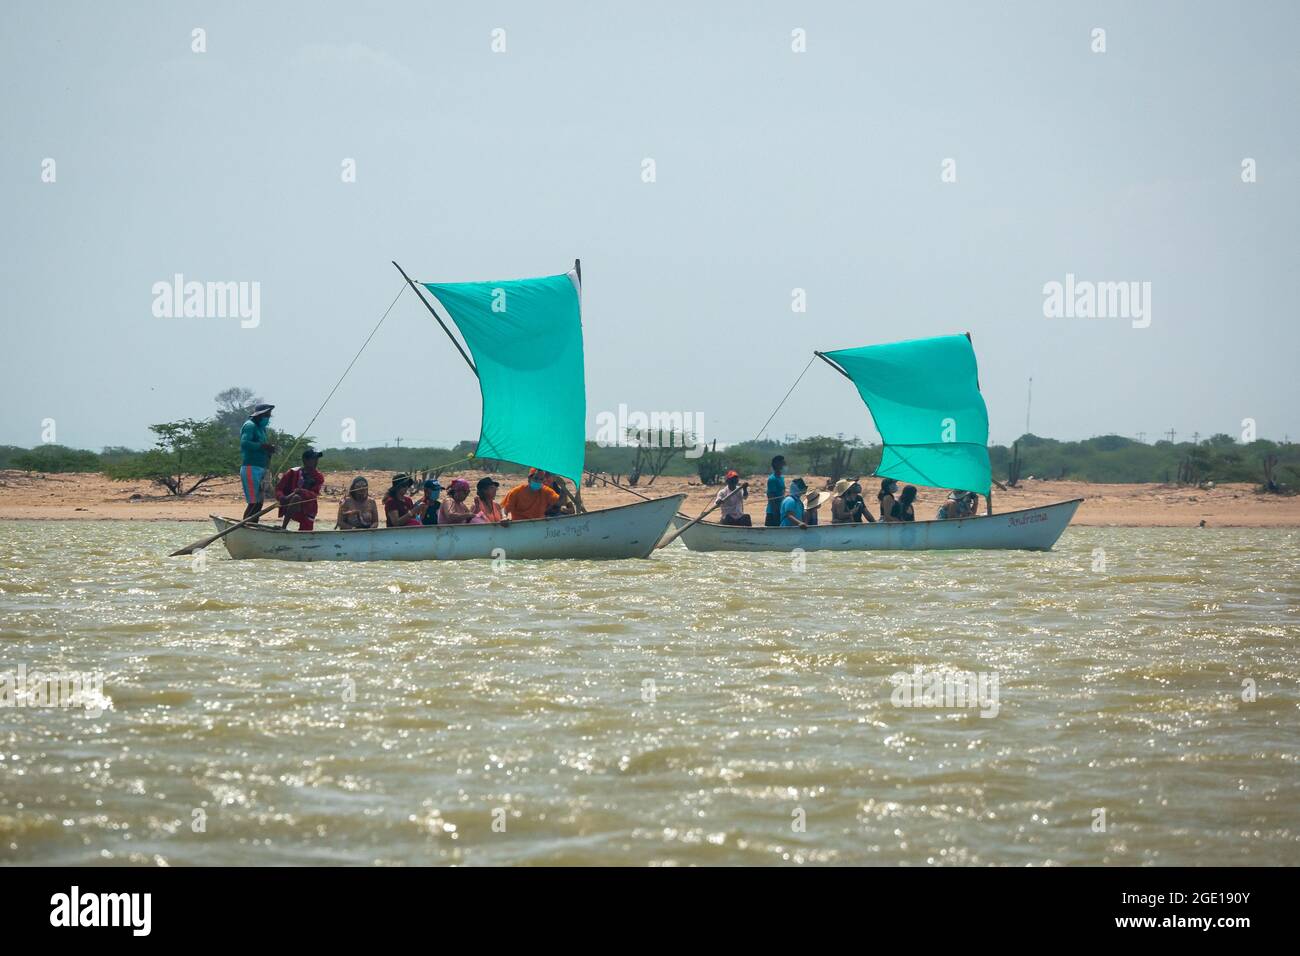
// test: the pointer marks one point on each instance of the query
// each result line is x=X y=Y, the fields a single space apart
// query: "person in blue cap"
x=255 y=450
x=430 y=503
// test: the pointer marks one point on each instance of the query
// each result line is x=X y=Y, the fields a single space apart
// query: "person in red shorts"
x=298 y=490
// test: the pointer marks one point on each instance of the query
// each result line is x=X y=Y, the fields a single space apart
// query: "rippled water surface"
x=690 y=709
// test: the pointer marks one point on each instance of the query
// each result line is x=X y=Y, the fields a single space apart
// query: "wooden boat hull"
x=630 y=531
x=1033 y=529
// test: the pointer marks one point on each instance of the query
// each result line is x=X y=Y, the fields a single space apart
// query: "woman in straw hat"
x=847 y=507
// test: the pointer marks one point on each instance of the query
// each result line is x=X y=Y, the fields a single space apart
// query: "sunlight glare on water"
x=689 y=709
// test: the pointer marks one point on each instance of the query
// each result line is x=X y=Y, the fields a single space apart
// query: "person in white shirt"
x=732 y=500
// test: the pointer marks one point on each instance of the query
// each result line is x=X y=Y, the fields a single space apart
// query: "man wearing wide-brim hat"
x=255 y=450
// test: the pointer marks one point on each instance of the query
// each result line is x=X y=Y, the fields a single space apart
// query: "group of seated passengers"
x=542 y=496
x=800 y=508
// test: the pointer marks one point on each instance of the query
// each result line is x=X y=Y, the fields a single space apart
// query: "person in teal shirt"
x=792 y=506
x=255 y=450
x=775 y=493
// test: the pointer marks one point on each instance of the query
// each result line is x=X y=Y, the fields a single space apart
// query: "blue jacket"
x=251 y=437
x=791 y=508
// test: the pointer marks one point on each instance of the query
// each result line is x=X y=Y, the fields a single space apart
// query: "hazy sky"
x=775 y=170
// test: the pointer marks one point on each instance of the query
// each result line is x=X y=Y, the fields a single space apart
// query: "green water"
x=690 y=709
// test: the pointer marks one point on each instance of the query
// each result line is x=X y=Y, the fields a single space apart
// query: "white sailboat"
x=630 y=531
x=924 y=398
x=525 y=336
x=1033 y=529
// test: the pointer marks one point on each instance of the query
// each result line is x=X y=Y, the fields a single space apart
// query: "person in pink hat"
x=453 y=509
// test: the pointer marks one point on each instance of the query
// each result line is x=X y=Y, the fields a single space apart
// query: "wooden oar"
x=669 y=539
x=200 y=545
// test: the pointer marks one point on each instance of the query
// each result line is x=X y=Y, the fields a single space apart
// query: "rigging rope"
x=297 y=441
x=787 y=395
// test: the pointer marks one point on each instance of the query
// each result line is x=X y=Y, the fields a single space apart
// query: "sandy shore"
x=94 y=497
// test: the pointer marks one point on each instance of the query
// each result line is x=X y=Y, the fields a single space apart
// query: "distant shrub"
x=56 y=459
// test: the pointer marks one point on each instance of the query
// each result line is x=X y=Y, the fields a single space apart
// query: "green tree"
x=823 y=455
x=233 y=407
x=200 y=450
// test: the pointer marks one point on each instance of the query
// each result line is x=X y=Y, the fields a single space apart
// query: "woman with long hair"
x=902 y=510
x=885 y=498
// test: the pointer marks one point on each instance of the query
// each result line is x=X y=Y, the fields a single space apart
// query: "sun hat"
x=816 y=499
x=260 y=409
x=458 y=484
x=485 y=481
x=842 y=486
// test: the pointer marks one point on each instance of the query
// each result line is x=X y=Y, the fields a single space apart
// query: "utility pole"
x=1196 y=438
x=1028 y=402
x=1170 y=435
x=1142 y=437
x=398 y=439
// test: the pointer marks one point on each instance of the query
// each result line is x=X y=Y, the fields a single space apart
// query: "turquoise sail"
x=526 y=339
x=925 y=399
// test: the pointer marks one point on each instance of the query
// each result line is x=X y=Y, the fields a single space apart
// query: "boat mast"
x=438 y=317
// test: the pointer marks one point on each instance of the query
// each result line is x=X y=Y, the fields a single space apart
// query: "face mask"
x=534 y=486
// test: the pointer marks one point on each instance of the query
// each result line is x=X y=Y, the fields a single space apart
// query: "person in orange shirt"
x=529 y=501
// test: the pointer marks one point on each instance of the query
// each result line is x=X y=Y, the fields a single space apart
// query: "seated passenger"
x=486 y=508
x=430 y=504
x=298 y=490
x=399 y=510
x=847 y=507
x=453 y=509
x=812 y=503
x=357 y=510
x=529 y=501
x=565 y=505
x=902 y=510
x=885 y=498
x=792 y=505
x=731 y=500
x=960 y=504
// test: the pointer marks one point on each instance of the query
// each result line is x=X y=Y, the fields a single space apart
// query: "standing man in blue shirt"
x=255 y=450
x=775 y=493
